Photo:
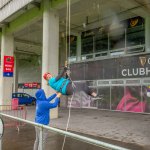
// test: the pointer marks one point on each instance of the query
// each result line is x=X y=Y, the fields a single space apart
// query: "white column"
x=6 y=83
x=147 y=34
x=79 y=48
x=15 y=88
x=50 y=56
x=62 y=51
x=62 y=59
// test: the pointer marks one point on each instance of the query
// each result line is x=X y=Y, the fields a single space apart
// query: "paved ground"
x=124 y=127
x=24 y=140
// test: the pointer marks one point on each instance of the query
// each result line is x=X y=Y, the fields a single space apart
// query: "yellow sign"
x=142 y=60
x=133 y=22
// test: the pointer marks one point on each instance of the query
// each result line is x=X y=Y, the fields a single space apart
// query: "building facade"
x=107 y=44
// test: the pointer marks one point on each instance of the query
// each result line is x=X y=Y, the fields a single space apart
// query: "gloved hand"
x=59 y=95
x=68 y=73
x=66 y=68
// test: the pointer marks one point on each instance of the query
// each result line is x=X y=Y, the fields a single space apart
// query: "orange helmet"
x=46 y=75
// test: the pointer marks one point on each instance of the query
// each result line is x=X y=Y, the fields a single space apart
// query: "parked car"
x=24 y=98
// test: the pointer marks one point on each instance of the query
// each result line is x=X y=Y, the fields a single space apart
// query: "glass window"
x=73 y=45
x=87 y=45
x=133 y=100
x=147 y=98
x=19 y=95
x=25 y=95
x=104 y=101
x=135 y=36
x=101 y=42
x=117 y=93
x=14 y=95
x=117 y=39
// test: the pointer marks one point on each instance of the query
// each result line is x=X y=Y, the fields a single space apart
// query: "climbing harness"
x=63 y=84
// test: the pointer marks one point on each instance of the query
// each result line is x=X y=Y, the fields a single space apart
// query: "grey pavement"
x=124 y=127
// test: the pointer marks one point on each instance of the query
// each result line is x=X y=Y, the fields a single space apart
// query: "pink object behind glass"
x=130 y=103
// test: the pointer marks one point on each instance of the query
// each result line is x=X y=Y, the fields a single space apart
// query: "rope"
x=67 y=58
x=68 y=120
x=67 y=30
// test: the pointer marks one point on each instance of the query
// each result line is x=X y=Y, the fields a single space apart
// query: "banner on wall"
x=30 y=85
x=137 y=66
x=8 y=67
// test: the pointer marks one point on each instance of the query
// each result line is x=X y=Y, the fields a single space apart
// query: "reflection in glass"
x=117 y=39
x=101 y=42
x=133 y=100
x=87 y=45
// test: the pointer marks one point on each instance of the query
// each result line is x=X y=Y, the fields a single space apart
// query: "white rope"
x=68 y=120
x=66 y=30
x=69 y=26
x=67 y=58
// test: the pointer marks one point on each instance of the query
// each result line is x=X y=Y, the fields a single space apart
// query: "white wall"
x=11 y=7
x=28 y=72
x=3 y=3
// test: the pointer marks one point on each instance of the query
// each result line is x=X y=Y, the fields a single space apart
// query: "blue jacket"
x=43 y=107
x=57 y=85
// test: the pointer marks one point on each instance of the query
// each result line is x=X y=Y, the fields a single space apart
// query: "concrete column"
x=147 y=34
x=50 y=54
x=15 y=87
x=6 y=83
x=62 y=51
x=62 y=59
x=79 y=48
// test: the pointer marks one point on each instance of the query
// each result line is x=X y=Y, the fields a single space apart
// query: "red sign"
x=8 y=67
x=8 y=64
x=31 y=85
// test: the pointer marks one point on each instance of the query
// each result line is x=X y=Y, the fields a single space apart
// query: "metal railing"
x=110 y=53
x=16 y=111
x=68 y=134
x=119 y=82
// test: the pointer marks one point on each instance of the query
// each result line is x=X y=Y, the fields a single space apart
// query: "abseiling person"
x=64 y=85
